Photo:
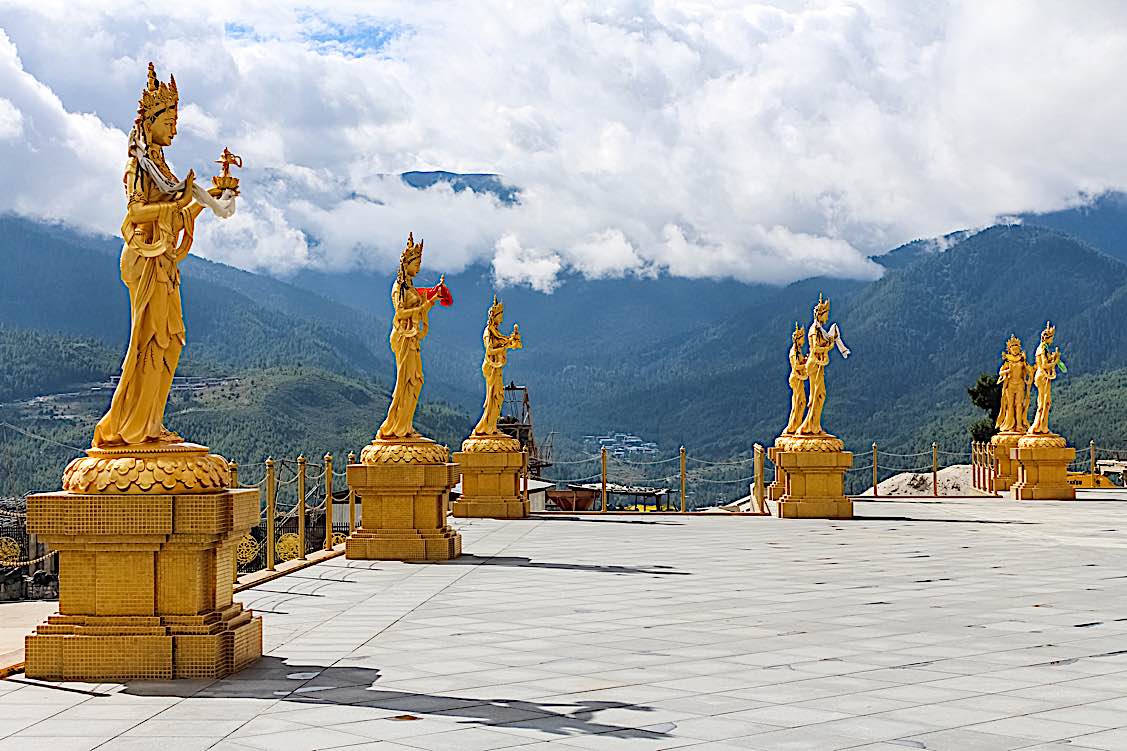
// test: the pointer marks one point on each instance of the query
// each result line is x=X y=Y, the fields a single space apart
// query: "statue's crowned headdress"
x=413 y=251
x=497 y=308
x=1013 y=342
x=799 y=332
x=1049 y=332
x=823 y=306
x=157 y=96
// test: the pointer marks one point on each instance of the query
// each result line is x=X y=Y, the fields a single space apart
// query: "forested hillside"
x=700 y=363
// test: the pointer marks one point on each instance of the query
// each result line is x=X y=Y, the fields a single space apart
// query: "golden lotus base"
x=490 y=485
x=156 y=468
x=1001 y=445
x=1042 y=473
x=145 y=586
x=814 y=482
x=413 y=450
x=403 y=512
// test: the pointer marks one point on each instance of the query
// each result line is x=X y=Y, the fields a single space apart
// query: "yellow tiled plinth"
x=814 y=483
x=403 y=512
x=1042 y=473
x=1002 y=446
x=145 y=587
x=490 y=485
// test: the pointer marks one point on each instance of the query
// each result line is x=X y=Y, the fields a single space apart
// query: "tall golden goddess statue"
x=158 y=229
x=821 y=341
x=497 y=346
x=1015 y=377
x=397 y=440
x=797 y=381
x=1047 y=362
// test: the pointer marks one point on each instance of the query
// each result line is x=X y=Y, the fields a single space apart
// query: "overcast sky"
x=766 y=142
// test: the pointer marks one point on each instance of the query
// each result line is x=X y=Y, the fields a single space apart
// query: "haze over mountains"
x=694 y=362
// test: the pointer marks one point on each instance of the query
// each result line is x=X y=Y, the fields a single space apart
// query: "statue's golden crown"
x=1013 y=342
x=497 y=307
x=798 y=331
x=413 y=250
x=1049 y=332
x=158 y=95
x=823 y=306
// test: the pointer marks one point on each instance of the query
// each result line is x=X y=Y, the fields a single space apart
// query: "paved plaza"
x=965 y=625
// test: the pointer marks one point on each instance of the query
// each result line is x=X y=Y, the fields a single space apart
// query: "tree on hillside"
x=986 y=394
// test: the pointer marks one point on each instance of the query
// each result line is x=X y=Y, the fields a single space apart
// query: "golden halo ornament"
x=9 y=550
x=247 y=549
x=287 y=548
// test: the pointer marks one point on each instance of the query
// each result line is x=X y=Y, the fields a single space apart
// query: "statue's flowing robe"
x=149 y=269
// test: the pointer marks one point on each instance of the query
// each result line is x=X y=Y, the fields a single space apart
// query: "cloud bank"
x=764 y=142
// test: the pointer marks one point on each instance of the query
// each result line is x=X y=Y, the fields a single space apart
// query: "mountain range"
x=694 y=362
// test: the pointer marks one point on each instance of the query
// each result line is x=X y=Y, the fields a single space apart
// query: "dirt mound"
x=956 y=480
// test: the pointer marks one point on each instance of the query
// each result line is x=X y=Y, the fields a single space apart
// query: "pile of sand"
x=956 y=480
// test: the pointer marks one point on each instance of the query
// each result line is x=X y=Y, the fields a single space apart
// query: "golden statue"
x=797 y=381
x=408 y=329
x=158 y=229
x=1048 y=361
x=820 y=341
x=1015 y=377
x=497 y=346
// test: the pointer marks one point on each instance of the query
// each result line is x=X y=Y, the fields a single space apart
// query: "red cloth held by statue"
x=442 y=292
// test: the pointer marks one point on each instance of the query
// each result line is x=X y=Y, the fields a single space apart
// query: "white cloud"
x=11 y=120
x=763 y=142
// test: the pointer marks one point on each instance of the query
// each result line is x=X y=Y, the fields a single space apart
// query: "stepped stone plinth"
x=404 y=490
x=146 y=541
x=490 y=467
x=814 y=469
x=1002 y=446
x=1042 y=468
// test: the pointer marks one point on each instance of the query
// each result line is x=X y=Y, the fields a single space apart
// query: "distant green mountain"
x=700 y=363
x=920 y=335
x=1101 y=222
x=279 y=412
x=60 y=281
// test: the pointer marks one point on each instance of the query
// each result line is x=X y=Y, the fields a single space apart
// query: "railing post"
x=233 y=472
x=271 y=512
x=683 y=478
x=328 y=501
x=351 y=498
x=875 y=491
x=760 y=485
x=301 y=506
x=1092 y=461
x=935 y=469
x=524 y=472
x=991 y=472
x=974 y=464
x=604 y=456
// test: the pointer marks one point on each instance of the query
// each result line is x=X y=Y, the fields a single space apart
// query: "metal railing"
x=296 y=501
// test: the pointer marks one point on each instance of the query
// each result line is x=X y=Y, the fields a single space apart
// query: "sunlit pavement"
x=961 y=625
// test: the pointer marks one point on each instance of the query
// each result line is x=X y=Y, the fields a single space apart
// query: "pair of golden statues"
x=1017 y=379
x=806 y=414
x=408 y=329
